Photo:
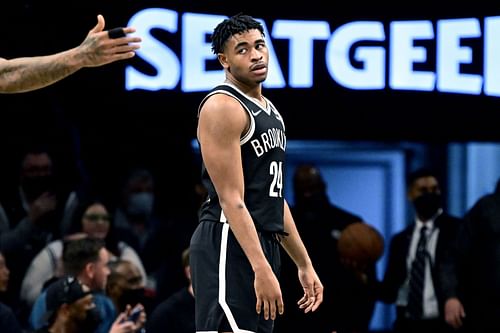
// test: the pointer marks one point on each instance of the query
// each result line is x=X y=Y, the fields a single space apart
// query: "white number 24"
x=275 y=170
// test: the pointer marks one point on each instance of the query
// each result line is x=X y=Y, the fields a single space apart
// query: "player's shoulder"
x=221 y=102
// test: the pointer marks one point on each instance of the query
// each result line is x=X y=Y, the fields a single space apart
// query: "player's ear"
x=223 y=60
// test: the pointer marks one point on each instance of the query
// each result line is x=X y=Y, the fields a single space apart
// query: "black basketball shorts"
x=223 y=280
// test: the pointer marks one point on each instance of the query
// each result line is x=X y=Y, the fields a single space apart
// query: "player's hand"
x=454 y=312
x=313 y=290
x=99 y=48
x=268 y=293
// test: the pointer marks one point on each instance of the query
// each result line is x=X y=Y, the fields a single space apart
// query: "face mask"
x=91 y=321
x=140 y=204
x=315 y=200
x=427 y=205
x=131 y=297
x=33 y=187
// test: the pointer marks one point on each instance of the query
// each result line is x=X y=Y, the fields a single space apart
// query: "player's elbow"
x=230 y=202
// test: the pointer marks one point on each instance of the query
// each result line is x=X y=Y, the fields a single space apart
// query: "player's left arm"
x=293 y=245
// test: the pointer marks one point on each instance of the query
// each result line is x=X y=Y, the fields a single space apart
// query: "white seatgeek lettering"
x=188 y=71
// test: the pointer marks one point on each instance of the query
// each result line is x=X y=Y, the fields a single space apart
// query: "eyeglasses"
x=97 y=217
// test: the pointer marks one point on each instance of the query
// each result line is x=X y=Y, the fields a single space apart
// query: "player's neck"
x=254 y=92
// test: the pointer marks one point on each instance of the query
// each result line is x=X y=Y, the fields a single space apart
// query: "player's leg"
x=204 y=263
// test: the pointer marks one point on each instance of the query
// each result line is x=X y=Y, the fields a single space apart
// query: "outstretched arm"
x=30 y=73
x=222 y=120
x=292 y=243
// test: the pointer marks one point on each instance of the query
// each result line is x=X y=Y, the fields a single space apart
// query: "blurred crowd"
x=75 y=260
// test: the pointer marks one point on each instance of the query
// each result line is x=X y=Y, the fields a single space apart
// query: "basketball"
x=360 y=243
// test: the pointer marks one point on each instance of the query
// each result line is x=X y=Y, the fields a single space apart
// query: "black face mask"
x=33 y=187
x=427 y=205
x=315 y=200
x=131 y=297
x=91 y=321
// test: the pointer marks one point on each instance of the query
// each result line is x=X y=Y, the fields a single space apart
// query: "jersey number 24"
x=276 y=170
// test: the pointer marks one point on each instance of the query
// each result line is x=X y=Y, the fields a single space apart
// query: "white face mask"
x=140 y=204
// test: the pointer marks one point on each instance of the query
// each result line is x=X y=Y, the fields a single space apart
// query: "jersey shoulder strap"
x=231 y=91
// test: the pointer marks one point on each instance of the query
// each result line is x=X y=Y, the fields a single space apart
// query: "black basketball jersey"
x=263 y=158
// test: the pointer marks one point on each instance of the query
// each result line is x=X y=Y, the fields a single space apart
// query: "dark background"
x=98 y=130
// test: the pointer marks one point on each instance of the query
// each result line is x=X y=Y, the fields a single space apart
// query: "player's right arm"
x=221 y=123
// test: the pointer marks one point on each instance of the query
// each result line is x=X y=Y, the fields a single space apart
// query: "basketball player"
x=235 y=248
x=99 y=48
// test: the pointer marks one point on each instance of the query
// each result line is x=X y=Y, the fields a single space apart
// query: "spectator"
x=125 y=285
x=348 y=303
x=71 y=309
x=90 y=218
x=87 y=260
x=8 y=320
x=478 y=268
x=414 y=276
x=31 y=215
x=158 y=241
x=176 y=313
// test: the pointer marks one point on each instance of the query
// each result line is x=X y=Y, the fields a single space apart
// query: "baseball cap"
x=66 y=290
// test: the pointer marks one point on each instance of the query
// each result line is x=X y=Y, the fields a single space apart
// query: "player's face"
x=246 y=57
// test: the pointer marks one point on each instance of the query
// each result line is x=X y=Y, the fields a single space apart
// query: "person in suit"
x=348 y=303
x=413 y=277
x=476 y=265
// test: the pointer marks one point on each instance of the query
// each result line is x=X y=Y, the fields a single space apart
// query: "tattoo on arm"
x=25 y=74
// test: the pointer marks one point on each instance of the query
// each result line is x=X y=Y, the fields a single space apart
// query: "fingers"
x=121 y=317
x=311 y=300
x=318 y=291
x=100 y=24
x=123 y=49
x=115 y=50
x=116 y=33
x=128 y=30
x=302 y=301
x=308 y=299
x=258 y=306
x=270 y=308
x=266 y=310
x=454 y=320
x=281 y=306
x=120 y=47
x=126 y=326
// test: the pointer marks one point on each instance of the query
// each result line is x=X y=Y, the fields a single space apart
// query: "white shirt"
x=430 y=303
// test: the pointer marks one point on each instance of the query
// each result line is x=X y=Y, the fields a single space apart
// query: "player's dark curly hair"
x=234 y=25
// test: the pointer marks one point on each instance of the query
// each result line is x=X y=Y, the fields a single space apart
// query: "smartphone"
x=134 y=314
